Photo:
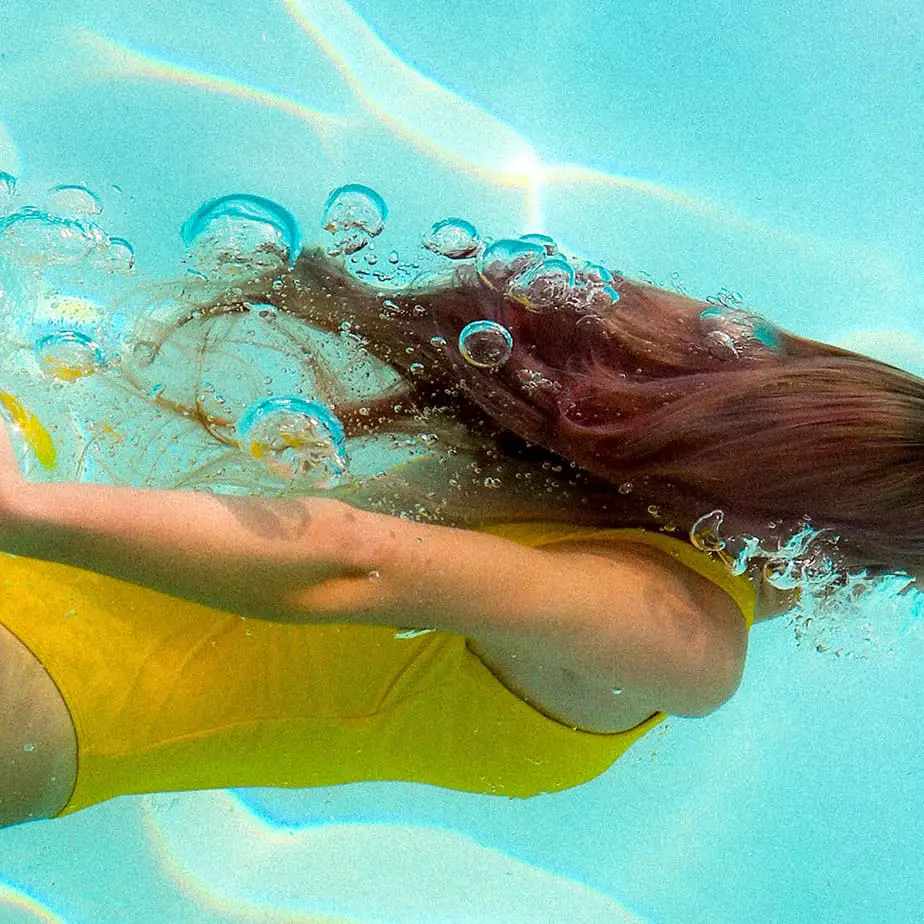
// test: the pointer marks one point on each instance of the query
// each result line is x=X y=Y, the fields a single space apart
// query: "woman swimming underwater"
x=613 y=483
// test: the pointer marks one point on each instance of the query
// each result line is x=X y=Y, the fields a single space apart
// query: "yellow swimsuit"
x=169 y=695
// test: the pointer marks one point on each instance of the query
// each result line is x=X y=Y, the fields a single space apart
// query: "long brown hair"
x=642 y=407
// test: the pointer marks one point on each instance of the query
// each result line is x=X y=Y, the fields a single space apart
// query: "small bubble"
x=393 y=256
x=267 y=313
x=28 y=747
x=485 y=344
x=625 y=487
x=438 y=342
x=374 y=575
x=144 y=352
x=734 y=331
x=492 y=482
x=118 y=255
x=454 y=238
x=416 y=368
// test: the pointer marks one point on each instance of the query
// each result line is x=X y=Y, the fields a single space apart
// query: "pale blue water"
x=773 y=152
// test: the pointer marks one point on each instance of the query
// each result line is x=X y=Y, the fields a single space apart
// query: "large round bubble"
x=454 y=238
x=295 y=438
x=544 y=286
x=68 y=354
x=353 y=214
x=506 y=258
x=74 y=201
x=242 y=231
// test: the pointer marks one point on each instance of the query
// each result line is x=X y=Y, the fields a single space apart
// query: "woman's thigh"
x=38 y=745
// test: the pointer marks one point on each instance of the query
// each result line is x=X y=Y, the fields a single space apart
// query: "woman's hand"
x=11 y=477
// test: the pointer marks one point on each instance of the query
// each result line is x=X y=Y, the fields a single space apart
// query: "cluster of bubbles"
x=832 y=610
x=50 y=304
x=50 y=258
x=530 y=270
x=733 y=331
x=800 y=561
x=46 y=239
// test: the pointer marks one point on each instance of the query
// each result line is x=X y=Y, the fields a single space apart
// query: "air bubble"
x=242 y=231
x=353 y=214
x=533 y=381
x=543 y=287
x=295 y=438
x=591 y=300
x=736 y=332
x=68 y=354
x=594 y=274
x=783 y=574
x=704 y=533
x=112 y=255
x=485 y=344
x=144 y=352
x=41 y=238
x=505 y=259
x=74 y=201
x=454 y=238
x=544 y=241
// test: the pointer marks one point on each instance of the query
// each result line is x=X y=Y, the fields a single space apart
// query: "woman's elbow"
x=715 y=667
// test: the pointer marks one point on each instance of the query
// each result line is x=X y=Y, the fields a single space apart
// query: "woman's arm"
x=621 y=618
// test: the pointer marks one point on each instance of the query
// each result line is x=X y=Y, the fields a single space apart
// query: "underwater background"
x=771 y=153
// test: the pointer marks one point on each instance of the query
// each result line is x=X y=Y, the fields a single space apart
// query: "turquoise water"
x=770 y=152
